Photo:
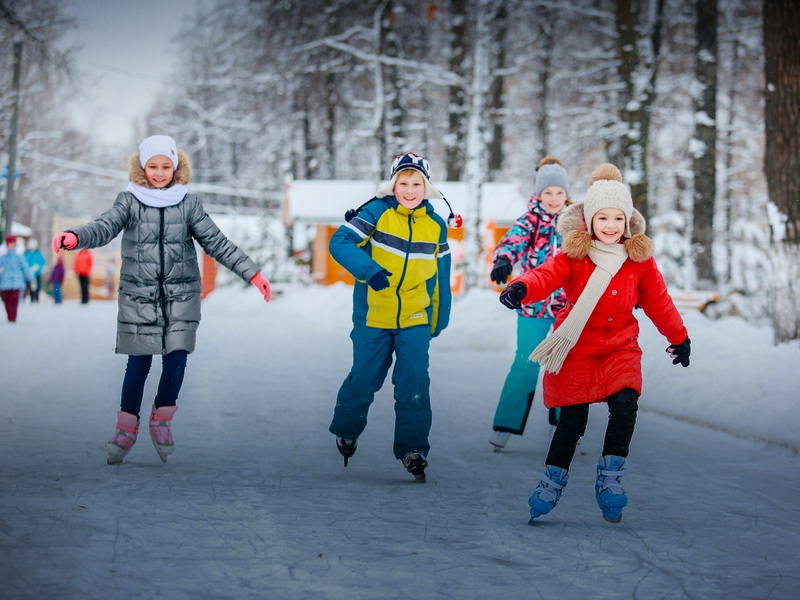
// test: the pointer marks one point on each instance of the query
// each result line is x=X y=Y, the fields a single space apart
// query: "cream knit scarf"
x=159 y=198
x=552 y=352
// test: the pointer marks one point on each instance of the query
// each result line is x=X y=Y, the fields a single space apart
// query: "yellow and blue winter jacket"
x=409 y=244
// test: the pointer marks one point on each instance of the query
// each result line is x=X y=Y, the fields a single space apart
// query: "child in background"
x=606 y=269
x=531 y=241
x=57 y=279
x=14 y=274
x=36 y=263
x=83 y=269
x=396 y=248
x=159 y=289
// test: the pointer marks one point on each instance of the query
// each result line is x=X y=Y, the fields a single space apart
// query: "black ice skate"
x=415 y=464
x=346 y=448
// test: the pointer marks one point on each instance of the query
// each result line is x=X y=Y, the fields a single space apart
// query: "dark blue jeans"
x=173 y=366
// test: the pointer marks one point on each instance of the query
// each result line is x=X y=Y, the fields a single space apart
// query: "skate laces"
x=160 y=432
x=549 y=490
x=123 y=438
x=610 y=480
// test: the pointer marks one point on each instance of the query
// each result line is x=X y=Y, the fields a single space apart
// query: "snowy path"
x=255 y=502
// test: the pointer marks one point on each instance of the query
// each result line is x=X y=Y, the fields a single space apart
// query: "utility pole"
x=8 y=216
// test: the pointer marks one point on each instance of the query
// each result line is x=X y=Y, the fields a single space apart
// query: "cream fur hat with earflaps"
x=606 y=190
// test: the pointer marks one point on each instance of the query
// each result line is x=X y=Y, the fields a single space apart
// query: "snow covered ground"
x=255 y=502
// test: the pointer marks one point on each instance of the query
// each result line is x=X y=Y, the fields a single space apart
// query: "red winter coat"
x=607 y=356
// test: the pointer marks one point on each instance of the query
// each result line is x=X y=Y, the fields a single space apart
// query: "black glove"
x=379 y=281
x=501 y=270
x=512 y=296
x=680 y=352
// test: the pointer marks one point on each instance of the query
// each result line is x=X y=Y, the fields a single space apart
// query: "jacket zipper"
x=162 y=288
x=405 y=268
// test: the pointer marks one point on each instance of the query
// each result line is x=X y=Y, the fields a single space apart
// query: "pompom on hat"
x=409 y=160
x=158 y=145
x=550 y=172
x=11 y=239
x=606 y=190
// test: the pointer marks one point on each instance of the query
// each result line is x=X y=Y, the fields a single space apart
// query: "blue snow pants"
x=517 y=395
x=372 y=357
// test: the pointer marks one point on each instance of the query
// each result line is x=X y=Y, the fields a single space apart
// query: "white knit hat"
x=606 y=190
x=158 y=145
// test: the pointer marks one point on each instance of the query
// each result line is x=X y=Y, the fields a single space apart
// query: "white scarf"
x=158 y=198
x=552 y=352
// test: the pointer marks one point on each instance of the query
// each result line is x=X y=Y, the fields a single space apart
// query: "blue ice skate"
x=547 y=492
x=608 y=490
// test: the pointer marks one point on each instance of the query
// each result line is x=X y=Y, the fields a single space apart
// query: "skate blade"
x=346 y=459
x=613 y=519
x=164 y=451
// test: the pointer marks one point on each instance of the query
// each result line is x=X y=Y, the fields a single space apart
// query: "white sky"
x=127 y=57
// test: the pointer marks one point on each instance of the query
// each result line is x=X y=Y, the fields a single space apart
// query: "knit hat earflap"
x=550 y=172
x=606 y=190
x=158 y=145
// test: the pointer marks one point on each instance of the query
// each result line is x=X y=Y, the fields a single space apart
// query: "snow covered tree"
x=46 y=75
x=638 y=31
x=704 y=144
x=742 y=234
x=782 y=159
x=457 y=109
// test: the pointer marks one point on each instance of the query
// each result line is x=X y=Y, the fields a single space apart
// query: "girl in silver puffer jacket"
x=159 y=288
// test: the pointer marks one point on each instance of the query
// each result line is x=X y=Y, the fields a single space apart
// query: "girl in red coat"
x=606 y=268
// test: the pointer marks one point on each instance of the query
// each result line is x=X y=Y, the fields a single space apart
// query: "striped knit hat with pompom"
x=606 y=190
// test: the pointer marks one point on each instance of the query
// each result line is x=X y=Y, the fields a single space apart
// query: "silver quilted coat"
x=159 y=289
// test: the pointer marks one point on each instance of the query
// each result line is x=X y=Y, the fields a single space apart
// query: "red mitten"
x=66 y=240
x=262 y=285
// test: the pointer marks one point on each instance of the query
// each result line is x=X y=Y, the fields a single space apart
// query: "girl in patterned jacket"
x=159 y=287
x=530 y=242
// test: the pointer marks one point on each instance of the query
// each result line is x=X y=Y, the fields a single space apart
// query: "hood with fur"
x=183 y=174
x=577 y=239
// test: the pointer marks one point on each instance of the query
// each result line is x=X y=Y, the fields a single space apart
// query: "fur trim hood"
x=577 y=239
x=183 y=174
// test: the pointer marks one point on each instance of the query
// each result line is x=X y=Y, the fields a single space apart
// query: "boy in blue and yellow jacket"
x=396 y=248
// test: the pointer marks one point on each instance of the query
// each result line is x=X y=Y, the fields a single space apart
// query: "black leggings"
x=622 y=408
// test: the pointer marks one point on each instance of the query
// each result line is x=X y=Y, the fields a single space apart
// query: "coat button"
x=613 y=292
x=610 y=319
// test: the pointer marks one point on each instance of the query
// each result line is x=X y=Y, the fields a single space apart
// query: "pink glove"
x=65 y=240
x=262 y=285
